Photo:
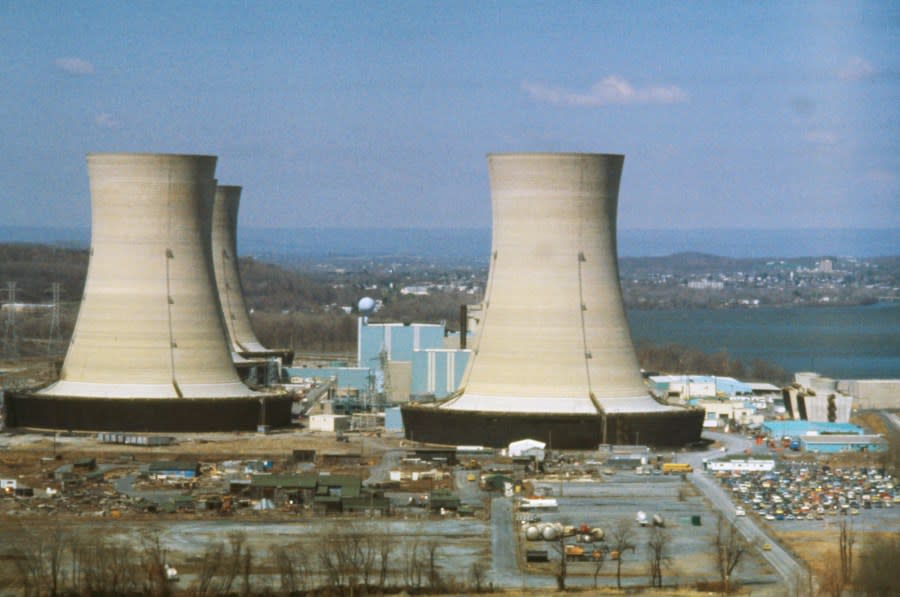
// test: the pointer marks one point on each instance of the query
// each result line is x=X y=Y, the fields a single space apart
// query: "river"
x=856 y=342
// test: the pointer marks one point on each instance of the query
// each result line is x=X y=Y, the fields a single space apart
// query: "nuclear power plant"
x=150 y=350
x=553 y=358
x=246 y=348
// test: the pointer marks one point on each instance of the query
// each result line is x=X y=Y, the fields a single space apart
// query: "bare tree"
x=478 y=574
x=412 y=565
x=622 y=536
x=658 y=557
x=435 y=582
x=559 y=545
x=210 y=561
x=293 y=568
x=385 y=548
x=103 y=566
x=246 y=571
x=880 y=555
x=30 y=552
x=730 y=548
x=846 y=540
x=599 y=559
x=832 y=582
x=153 y=561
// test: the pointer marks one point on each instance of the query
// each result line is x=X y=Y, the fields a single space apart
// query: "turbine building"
x=553 y=359
x=150 y=348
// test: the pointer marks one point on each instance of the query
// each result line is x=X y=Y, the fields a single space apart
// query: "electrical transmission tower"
x=55 y=339
x=10 y=338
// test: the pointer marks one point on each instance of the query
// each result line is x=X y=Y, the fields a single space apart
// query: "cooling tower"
x=243 y=341
x=554 y=359
x=149 y=350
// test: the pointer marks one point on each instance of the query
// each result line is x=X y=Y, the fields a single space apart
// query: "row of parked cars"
x=810 y=492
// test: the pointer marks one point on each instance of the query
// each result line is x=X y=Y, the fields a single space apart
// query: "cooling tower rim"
x=148 y=154
x=552 y=154
x=229 y=187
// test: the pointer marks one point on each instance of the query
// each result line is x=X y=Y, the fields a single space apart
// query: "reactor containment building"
x=553 y=358
x=150 y=350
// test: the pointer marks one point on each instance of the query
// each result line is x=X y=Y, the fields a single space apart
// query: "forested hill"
x=35 y=268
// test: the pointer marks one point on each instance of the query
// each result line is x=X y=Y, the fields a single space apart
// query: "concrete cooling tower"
x=554 y=359
x=149 y=351
x=243 y=342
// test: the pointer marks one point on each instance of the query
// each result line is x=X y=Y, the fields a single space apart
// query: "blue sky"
x=730 y=114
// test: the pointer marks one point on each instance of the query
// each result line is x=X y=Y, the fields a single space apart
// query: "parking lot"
x=621 y=496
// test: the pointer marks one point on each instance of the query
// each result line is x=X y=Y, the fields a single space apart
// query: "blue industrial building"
x=421 y=360
x=798 y=429
x=393 y=420
x=437 y=371
x=698 y=386
x=398 y=341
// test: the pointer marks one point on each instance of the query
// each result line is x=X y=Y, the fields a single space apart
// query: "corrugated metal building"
x=831 y=444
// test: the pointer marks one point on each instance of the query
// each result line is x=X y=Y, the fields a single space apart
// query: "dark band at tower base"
x=25 y=410
x=560 y=431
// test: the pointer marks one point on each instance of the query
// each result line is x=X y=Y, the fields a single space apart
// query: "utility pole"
x=10 y=337
x=55 y=333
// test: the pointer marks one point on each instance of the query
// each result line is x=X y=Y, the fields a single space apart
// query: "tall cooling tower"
x=242 y=339
x=554 y=359
x=149 y=350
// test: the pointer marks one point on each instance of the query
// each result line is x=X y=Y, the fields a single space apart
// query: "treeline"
x=35 y=268
x=353 y=560
x=676 y=359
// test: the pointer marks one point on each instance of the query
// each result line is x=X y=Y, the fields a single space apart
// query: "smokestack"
x=149 y=323
x=463 y=325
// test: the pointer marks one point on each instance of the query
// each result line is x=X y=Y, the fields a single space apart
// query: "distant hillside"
x=473 y=244
x=35 y=268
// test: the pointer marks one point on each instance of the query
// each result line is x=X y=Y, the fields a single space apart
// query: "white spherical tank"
x=366 y=305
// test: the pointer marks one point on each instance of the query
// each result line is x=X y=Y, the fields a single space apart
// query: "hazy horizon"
x=475 y=242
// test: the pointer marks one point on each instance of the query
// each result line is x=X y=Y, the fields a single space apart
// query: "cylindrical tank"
x=532 y=533
x=553 y=335
x=150 y=323
x=228 y=277
x=597 y=533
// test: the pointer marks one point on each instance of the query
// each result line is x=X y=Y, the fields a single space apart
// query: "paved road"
x=505 y=570
x=380 y=473
x=790 y=569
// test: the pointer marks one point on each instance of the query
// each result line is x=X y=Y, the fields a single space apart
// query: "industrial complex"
x=521 y=452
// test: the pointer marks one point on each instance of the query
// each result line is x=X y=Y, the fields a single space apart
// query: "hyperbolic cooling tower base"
x=434 y=425
x=151 y=415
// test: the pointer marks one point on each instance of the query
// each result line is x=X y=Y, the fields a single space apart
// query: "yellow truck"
x=676 y=468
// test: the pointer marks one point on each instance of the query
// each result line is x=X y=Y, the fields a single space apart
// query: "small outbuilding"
x=527 y=448
x=174 y=469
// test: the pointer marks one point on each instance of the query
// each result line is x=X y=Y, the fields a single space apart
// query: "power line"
x=55 y=338
x=10 y=337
